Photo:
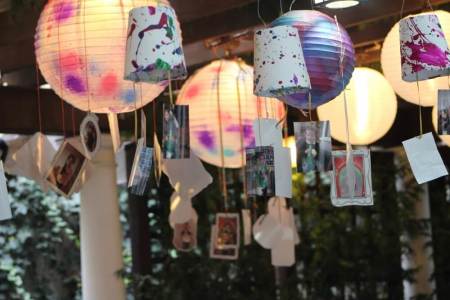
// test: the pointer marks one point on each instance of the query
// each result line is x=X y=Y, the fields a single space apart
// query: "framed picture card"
x=66 y=169
x=90 y=135
x=5 y=208
x=140 y=171
x=217 y=253
x=185 y=235
x=313 y=143
x=227 y=230
x=176 y=144
x=343 y=193
x=443 y=112
x=260 y=171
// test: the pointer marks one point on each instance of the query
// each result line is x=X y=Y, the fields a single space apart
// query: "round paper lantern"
x=391 y=65
x=321 y=44
x=80 y=49
x=371 y=104
x=224 y=90
x=434 y=117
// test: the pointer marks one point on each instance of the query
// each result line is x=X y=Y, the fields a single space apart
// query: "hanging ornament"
x=280 y=68
x=392 y=70
x=222 y=108
x=321 y=42
x=154 y=47
x=80 y=50
x=424 y=50
x=371 y=105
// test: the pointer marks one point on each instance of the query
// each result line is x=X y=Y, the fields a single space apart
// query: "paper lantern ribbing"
x=279 y=64
x=391 y=65
x=154 y=46
x=321 y=41
x=80 y=49
x=371 y=104
x=223 y=90
x=424 y=50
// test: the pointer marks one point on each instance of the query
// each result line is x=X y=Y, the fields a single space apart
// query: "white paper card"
x=247 y=224
x=283 y=172
x=5 y=209
x=424 y=158
x=144 y=127
x=267 y=231
x=115 y=132
x=267 y=133
x=283 y=254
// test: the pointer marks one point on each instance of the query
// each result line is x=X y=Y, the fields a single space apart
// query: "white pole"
x=100 y=230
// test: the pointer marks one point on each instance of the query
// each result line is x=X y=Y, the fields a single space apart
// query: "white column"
x=100 y=230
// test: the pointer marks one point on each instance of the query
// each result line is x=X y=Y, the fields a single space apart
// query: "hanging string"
x=429 y=5
x=420 y=107
x=259 y=14
x=154 y=117
x=38 y=93
x=402 y=9
x=281 y=7
x=241 y=129
x=60 y=81
x=292 y=3
x=265 y=106
x=86 y=58
x=73 y=122
x=135 y=113
x=285 y=124
x=222 y=156
x=310 y=106
x=170 y=90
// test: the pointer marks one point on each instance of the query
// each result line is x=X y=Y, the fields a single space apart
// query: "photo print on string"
x=141 y=169
x=260 y=171
x=176 y=143
x=227 y=231
x=90 y=135
x=342 y=191
x=444 y=112
x=185 y=235
x=217 y=253
x=5 y=208
x=313 y=143
x=66 y=169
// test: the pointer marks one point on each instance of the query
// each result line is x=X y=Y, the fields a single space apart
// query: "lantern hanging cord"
x=135 y=113
x=222 y=155
x=73 y=121
x=281 y=7
x=86 y=58
x=402 y=9
x=259 y=13
x=60 y=81
x=38 y=94
x=241 y=130
x=292 y=4
x=310 y=106
x=170 y=89
x=420 y=108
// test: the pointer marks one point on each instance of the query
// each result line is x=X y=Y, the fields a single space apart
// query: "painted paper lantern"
x=434 y=118
x=424 y=50
x=154 y=46
x=280 y=68
x=321 y=41
x=80 y=49
x=223 y=90
x=391 y=65
x=372 y=108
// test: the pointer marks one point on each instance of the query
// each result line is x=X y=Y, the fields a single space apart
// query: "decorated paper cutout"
x=5 y=208
x=181 y=210
x=283 y=172
x=283 y=254
x=423 y=155
x=267 y=231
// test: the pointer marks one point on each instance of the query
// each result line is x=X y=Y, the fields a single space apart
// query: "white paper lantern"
x=280 y=67
x=371 y=104
x=224 y=90
x=154 y=45
x=80 y=49
x=391 y=65
x=434 y=117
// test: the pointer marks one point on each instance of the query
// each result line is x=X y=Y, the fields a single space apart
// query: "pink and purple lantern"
x=321 y=41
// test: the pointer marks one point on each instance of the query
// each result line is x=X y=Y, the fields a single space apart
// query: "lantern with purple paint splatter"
x=154 y=46
x=80 y=49
x=423 y=47
x=220 y=98
x=321 y=41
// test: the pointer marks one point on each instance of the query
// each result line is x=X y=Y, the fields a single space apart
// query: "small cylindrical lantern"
x=154 y=46
x=423 y=47
x=280 y=67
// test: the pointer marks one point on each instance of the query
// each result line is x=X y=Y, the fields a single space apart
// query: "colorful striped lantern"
x=222 y=108
x=321 y=41
x=80 y=50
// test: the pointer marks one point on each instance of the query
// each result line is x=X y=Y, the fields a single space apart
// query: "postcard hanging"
x=90 y=135
x=5 y=208
x=260 y=171
x=443 y=112
x=361 y=192
x=176 y=143
x=141 y=169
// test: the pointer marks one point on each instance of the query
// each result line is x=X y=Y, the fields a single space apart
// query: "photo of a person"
x=313 y=142
x=342 y=187
x=260 y=171
x=185 y=236
x=176 y=144
x=90 y=135
x=444 y=112
x=66 y=169
x=221 y=253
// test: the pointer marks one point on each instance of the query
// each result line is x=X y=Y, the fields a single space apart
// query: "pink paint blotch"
x=109 y=84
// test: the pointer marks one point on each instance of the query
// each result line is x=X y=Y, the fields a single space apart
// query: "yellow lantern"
x=371 y=104
x=434 y=117
x=223 y=90
x=391 y=65
x=80 y=49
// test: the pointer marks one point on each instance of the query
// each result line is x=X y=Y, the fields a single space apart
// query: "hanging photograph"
x=355 y=189
x=215 y=252
x=313 y=142
x=185 y=235
x=66 y=169
x=444 y=112
x=176 y=132
x=227 y=231
x=260 y=171
x=90 y=135
x=142 y=166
